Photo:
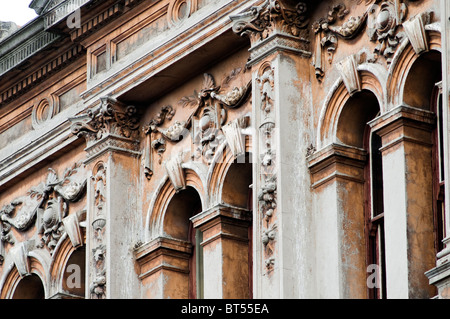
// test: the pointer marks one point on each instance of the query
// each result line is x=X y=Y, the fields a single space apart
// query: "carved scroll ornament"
x=110 y=117
x=45 y=206
x=383 y=20
x=270 y=17
x=204 y=125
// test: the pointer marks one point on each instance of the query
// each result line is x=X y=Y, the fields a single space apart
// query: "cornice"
x=45 y=70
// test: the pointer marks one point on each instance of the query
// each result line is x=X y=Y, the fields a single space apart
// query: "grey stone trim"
x=26 y=50
x=62 y=11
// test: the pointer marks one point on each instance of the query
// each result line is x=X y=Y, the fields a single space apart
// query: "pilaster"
x=337 y=180
x=278 y=33
x=407 y=184
x=225 y=249
x=111 y=132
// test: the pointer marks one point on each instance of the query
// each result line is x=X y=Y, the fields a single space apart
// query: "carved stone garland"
x=204 y=124
x=267 y=193
x=98 y=284
x=45 y=206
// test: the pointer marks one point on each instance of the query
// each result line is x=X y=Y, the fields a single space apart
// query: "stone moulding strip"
x=112 y=143
x=29 y=155
x=61 y=11
x=26 y=50
x=165 y=55
x=279 y=42
x=28 y=82
x=93 y=24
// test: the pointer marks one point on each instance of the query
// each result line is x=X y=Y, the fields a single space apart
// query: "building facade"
x=225 y=149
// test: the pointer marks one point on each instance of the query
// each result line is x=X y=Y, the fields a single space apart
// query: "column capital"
x=108 y=125
x=337 y=161
x=274 y=25
x=221 y=211
x=404 y=124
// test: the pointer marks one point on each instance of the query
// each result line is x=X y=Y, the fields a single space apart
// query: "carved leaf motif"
x=208 y=82
x=226 y=81
x=190 y=101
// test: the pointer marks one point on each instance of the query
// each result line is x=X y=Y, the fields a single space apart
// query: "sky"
x=16 y=11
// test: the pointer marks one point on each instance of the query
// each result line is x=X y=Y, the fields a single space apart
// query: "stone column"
x=164 y=268
x=408 y=215
x=282 y=133
x=111 y=132
x=337 y=174
x=225 y=251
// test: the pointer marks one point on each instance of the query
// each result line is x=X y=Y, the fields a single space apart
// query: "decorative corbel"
x=110 y=117
x=415 y=31
x=175 y=172
x=273 y=16
x=234 y=137
x=19 y=255
x=72 y=226
x=349 y=72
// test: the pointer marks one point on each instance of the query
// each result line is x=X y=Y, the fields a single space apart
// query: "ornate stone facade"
x=225 y=149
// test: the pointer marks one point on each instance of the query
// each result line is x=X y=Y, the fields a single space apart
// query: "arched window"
x=374 y=209
x=438 y=168
x=29 y=287
x=184 y=205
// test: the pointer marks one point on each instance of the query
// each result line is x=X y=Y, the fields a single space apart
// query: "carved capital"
x=273 y=16
x=111 y=117
x=274 y=25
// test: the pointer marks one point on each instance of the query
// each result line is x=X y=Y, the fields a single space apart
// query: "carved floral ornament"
x=383 y=20
x=210 y=107
x=46 y=206
x=98 y=280
x=111 y=117
x=273 y=16
x=267 y=190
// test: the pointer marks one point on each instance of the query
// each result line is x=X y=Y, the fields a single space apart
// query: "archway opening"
x=421 y=79
x=237 y=191
x=363 y=208
x=236 y=185
x=30 y=287
x=184 y=205
x=360 y=109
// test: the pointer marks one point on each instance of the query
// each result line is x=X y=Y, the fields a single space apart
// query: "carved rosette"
x=267 y=191
x=109 y=125
x=272 y=25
